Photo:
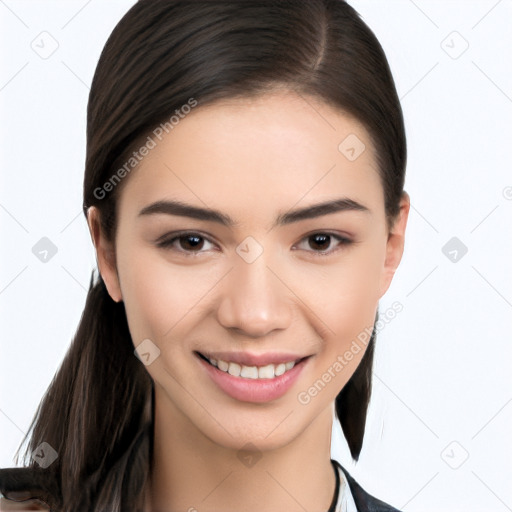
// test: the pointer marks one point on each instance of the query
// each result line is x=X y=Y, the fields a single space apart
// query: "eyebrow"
x=181 y=209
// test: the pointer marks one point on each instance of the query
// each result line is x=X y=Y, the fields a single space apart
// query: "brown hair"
x=97 y=411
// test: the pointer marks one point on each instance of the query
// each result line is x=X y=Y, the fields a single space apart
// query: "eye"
x=189 y=243
x=323 y=241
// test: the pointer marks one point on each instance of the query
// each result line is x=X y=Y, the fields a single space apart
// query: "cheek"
x=161 y=299
x=346 y=294
x=347 y=307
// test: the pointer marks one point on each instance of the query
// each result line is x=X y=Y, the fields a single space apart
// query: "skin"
x=250 y=159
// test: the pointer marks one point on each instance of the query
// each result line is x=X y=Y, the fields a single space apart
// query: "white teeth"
x=249 y=372
x=222 y=365
x=280 y=369
x=266 y=372
x=234 y=369
x=252 y=372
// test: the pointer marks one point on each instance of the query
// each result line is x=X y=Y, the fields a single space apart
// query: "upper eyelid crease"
x=168 y=239
x=179 y=208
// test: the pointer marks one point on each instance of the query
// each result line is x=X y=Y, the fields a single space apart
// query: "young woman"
x=244 y=193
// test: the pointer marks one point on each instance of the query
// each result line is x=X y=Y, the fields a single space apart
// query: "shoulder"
x=19 y=506
x=364 y=501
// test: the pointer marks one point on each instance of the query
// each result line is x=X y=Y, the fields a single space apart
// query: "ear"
x=395 y=243
x=105 y=255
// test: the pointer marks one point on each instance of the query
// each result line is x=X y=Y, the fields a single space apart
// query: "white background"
x=442 y=385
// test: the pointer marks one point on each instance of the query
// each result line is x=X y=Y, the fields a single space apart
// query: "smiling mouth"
x=269 y=371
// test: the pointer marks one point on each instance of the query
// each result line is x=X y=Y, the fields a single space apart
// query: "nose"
x=255 y=301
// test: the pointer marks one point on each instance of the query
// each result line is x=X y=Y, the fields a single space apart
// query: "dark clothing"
x=364 y=501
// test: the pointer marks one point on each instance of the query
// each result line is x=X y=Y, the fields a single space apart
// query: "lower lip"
x=253 y=390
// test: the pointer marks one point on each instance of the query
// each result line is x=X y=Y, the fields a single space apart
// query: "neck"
x=191 y=473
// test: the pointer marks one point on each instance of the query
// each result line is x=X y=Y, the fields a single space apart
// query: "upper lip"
x=252 y=359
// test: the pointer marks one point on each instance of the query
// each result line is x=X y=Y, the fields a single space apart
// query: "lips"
x=253 y=383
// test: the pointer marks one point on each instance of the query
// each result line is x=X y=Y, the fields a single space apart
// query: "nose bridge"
x=253 y=298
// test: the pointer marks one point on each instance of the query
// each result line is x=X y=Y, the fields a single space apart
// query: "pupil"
x=323 y=240
x=194 y=245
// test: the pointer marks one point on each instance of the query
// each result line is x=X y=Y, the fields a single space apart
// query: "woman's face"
x=250 y=269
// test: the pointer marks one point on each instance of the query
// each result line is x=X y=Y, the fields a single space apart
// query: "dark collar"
x=364 y=502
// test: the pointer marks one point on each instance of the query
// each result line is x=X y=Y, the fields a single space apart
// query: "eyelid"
x=166 y=241
x=343 y=241
x=177 y=234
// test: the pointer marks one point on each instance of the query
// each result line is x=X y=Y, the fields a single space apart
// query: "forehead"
x=257 y=155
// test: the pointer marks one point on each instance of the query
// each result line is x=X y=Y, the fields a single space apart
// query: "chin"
x=256 y=430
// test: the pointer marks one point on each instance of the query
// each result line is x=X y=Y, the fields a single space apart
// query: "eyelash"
x=167 y=244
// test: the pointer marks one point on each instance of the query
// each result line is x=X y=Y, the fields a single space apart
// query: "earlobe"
x=395 y=243
x=105 y=255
